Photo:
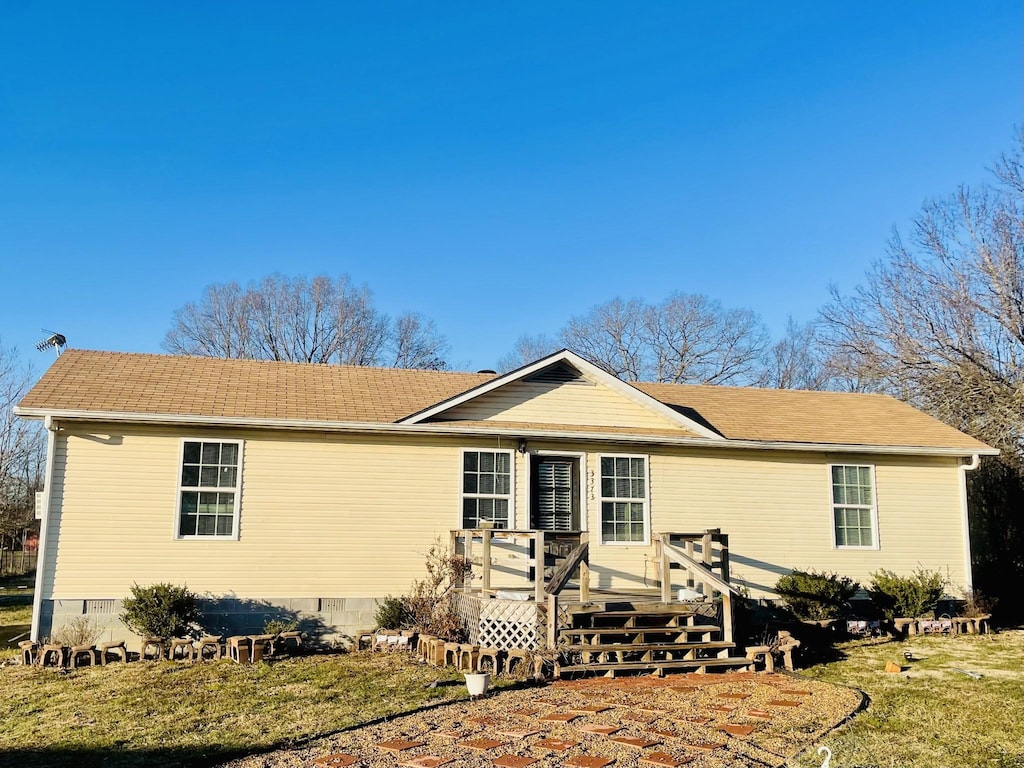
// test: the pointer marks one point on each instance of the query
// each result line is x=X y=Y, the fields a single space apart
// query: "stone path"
x=741 y=719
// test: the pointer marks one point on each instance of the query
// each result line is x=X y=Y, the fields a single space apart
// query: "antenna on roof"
x=55 y=340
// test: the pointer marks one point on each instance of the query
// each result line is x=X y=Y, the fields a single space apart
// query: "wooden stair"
x=654 y=639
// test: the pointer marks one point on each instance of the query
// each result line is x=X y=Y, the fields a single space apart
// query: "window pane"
x=470 y=483
x=211 y=453
x=486 y=484
x=486 y=462
x=190 y=476
x=502 y=462
x=187 y=525
x=502 y=484
x=208 y=477
x=228 y=476
x=189 y=502
x=229 y=454
x=224 y=525
x=207 y=525
x=607 y=486
x=191 y=453
x=607 y=466
x=469 y=461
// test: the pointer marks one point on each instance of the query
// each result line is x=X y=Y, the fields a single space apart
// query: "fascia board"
x=452 y=428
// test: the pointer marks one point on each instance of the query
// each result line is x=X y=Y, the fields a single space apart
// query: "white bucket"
x=477 y=683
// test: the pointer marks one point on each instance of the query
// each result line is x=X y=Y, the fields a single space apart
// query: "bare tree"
x=22 y=452
x=526 y=350
x=687 y=338
x=940 y=321
x=322 y=320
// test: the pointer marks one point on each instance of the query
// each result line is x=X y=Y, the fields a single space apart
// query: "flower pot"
x=477 y=683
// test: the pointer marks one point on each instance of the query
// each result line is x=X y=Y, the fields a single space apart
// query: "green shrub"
x=161 y=610
x=906 y=596
x=816 y=596
x=392 y=613
x=277 y=626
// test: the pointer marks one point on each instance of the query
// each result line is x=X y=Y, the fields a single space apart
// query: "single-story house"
x=318 y=489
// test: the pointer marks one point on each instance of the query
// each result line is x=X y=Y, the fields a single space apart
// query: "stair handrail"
x=677 y=555
x=561 y=575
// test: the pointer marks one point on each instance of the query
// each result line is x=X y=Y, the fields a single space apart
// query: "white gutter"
x=37 y=598
x=453 y=428
x=964 y=469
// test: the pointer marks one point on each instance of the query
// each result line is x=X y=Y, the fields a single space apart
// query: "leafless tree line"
x=323 y=320
x=22 y=452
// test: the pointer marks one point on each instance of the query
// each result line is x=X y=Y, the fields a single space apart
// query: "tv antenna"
x=55 y=340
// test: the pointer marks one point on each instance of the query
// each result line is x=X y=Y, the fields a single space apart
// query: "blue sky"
x=497 y=167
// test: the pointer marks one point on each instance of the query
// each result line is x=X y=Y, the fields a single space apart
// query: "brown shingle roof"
x=129 y=383
x=798 y=416
x=120 y=382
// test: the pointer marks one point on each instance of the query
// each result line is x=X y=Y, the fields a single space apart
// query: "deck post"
x=469 y=558
x=665 y=568
x=585 y=570
x=538 y=567
x=486 y=557
x=689 y=574
x=724 y=557
x=705 y=551
x=552 y=622
x=727 y=617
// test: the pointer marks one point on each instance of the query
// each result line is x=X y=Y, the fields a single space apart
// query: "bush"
x=430 y=601
x=906 y=596
x=80 y=631
x=161 y=610
x=976 y=604
x=816 y=596
x=392 y=613
x=277 y=626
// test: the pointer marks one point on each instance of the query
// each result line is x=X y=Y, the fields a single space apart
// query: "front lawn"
x=173 y=714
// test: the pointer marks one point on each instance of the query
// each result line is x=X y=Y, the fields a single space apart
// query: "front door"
x=555 y=495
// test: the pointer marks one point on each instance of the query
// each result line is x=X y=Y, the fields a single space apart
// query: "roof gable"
x=508 y=398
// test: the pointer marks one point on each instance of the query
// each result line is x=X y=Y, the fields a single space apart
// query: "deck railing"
x=554 y=557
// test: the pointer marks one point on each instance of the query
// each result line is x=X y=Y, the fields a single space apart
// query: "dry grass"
x=931 y=714
x=173 y=714
x=166 y=714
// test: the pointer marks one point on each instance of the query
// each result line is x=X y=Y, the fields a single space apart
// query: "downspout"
x=964 y=469
x=37 y=598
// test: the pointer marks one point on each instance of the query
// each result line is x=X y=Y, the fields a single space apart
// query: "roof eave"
x=452 y=428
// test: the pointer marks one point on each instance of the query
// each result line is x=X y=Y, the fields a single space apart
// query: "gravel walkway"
x=721 y=719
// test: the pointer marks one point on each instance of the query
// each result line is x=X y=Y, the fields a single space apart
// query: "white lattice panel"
x=509 y=624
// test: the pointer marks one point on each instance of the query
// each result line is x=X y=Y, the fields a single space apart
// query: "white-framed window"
x=487 y=488
x=209 y=489
x=854 y=515
x=625 y=499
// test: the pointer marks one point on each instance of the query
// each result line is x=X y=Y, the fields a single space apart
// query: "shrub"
x=816 y=596
x=161 y=610
x=976 y=604
x=80 y=631
x=430 y=601
x=277 y=626
x=906 y=596
x=392 y=613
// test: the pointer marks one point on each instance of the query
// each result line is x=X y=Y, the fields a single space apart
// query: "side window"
x=625 y=508
x=853 y=505
x=209 y=491
x=486 y=488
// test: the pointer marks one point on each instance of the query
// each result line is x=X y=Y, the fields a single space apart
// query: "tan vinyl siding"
x=336 y=516
x=319 y=516
x=585 y=404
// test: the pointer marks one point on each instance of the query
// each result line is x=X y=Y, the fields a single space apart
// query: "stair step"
x=654 y=666
x=666 y=613
x=627 y=647
x=702 y=628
